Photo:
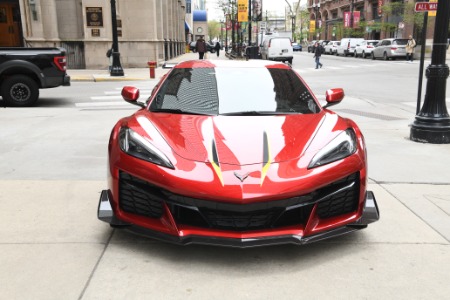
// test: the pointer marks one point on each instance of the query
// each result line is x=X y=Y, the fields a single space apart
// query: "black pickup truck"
x=23 y=71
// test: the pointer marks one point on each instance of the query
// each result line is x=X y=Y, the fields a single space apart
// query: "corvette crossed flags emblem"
x=241 y=177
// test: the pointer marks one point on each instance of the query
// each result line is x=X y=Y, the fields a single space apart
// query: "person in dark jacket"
x=217 y=48
x=317 y=53
x=200 y=46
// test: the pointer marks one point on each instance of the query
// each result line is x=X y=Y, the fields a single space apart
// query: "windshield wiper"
x=253 y=113
x=178 y=111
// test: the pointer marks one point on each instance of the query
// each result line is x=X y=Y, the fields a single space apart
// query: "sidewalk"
x=134 y=74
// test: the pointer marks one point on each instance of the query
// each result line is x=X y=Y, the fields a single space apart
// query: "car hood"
x=238 y=140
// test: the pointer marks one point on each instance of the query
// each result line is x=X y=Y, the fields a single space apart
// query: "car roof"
x=253 y=63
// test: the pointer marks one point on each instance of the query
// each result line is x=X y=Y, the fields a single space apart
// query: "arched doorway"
x=10 y=24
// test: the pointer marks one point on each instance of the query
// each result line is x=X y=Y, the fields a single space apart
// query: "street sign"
x=425 y=6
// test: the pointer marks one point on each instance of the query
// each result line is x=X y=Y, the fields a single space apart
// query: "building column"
x=49 y=20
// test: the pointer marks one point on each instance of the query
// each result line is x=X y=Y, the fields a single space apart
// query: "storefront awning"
x=187 y=27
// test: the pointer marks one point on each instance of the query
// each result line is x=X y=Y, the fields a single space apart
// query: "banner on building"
x=228 y=22
x=380 y=9
x=312 y=26
x=348 y=20
x=356 y=18
x=242 y=10
x=257 y=11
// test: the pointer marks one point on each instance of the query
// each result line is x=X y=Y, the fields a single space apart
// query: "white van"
x=277 y=48
x=348 y=45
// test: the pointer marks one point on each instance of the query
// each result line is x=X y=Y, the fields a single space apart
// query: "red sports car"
x=236 y=153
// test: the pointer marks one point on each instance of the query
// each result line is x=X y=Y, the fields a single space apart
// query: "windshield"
x=226 y=91
x=400 y=42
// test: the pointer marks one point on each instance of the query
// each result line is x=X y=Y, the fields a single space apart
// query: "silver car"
x=365 y=48
x=390 y=49
x=331 y=47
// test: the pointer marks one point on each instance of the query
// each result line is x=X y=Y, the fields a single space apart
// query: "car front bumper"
x=370 y=214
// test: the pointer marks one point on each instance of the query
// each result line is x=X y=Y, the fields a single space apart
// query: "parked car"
x=311 y=46
x=277 y=48
x=331 y=47
x=365 y=48
x=214 y=158
x=348 y=45
x=296 y=47
x=23 y=71
x=390 y=49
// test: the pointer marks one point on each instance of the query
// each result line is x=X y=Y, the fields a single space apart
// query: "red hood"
x=240 y=140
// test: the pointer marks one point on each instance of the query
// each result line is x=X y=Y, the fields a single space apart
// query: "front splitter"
x=370 y=214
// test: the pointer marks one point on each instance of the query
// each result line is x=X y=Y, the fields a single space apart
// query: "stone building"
x=148 y=30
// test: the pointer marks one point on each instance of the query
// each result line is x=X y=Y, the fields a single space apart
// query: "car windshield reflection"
x=234 y=91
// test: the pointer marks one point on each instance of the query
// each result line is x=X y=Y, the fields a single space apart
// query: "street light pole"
x=249 y=22
x=226 y=33
x=316 y=8
x=432 y=124
x=351 y=14
x=116 y=68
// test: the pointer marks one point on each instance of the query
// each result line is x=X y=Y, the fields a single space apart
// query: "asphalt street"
x=53 y=168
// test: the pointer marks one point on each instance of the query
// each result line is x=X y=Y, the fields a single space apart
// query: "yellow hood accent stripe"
x=267 y=158
x=214 y=159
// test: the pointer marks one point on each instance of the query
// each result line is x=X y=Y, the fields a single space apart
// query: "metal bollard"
x=152 y=66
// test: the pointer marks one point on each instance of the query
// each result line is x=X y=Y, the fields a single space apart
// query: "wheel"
x=373 y=56
x=290 y=61
x=385 y=57
x=20 y=91
x=363 y=55
x=355 y=54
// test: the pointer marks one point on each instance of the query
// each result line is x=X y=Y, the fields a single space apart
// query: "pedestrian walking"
x=217 y=48
x=200 y=47
x=318 y=49
x=410 y=49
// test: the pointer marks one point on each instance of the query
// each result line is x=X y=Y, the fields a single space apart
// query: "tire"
x=363 y=55
x=20 y=91
x=385 y=57
x=355 y=54
x=290 y=61
x=373 y=56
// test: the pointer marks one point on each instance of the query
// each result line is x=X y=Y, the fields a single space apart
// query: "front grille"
x=341 y=200
x=142 y=198
x=138 y=197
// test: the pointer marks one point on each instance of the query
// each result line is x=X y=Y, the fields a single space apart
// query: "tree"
x=214 y=29
x=402 y=12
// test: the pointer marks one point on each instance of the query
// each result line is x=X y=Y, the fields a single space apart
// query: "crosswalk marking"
x=103 y=104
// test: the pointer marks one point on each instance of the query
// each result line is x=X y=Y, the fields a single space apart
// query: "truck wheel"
x=20 y=91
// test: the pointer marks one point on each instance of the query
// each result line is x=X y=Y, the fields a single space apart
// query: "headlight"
x=136 y=145
x=340 y=147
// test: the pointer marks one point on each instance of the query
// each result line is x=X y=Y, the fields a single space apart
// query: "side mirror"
x=131 y=94
x=334 y=96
